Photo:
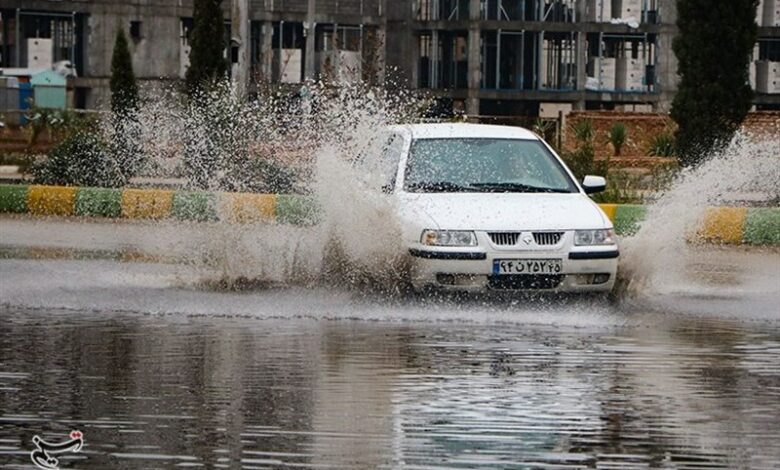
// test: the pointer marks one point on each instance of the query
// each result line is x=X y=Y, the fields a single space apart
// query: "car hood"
x=503 y=211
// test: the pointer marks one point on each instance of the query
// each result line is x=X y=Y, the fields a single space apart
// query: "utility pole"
x=239 y=45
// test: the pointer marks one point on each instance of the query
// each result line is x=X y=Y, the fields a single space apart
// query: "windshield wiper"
x=516 y=188
x=438 y=186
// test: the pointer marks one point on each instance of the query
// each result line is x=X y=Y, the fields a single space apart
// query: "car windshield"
x=484 y=165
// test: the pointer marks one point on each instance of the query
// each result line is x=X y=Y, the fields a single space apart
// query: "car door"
x=379 y=168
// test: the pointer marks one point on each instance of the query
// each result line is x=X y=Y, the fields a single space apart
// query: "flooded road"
x=158 y=391
x=160 y=369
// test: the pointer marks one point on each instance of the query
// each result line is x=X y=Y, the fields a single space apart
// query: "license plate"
x=527 y=266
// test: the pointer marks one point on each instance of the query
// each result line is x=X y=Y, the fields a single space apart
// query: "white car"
x=493 y=207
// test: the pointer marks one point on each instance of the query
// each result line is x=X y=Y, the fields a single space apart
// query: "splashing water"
x=320 y=133
x=221 y=142
x=654 y=260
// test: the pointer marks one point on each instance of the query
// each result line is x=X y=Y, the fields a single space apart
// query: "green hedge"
x=13 y=198
x=99 y=202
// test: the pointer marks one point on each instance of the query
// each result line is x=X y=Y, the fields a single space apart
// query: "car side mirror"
x=594 y=184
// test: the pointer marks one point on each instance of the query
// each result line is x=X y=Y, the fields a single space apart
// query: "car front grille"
x=547 y=238
x=504 y=238
x=525 y=281
x=511 y=238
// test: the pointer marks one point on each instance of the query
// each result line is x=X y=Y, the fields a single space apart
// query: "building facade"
x=482 y=57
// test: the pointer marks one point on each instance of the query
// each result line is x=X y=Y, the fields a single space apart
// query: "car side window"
x=378 y=165
x=392 y=149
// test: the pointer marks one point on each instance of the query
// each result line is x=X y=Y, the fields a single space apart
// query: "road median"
x=728 y=225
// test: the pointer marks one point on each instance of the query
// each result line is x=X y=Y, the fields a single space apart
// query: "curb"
x=155 y=204
x=730 y=225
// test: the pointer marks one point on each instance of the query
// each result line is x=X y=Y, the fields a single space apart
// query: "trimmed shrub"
x=80 y=160
x=258 y=175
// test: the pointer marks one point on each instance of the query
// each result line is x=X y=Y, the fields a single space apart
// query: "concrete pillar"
x=582 y=54
x=266 y=51
x=240 y=39
x=381 y=50
x=381 y=44
x=310 y=30
x=582 y=66
x=474 y=59
x=666 y=62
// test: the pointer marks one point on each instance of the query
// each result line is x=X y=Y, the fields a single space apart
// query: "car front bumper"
x=591 y=269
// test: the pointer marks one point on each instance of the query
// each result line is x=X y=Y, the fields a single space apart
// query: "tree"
x=207 y=60
x=716 y=38
x=124 y=90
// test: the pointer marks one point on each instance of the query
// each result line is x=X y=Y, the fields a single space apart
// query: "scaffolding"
x=561 y=11
x=529 y=60
x=443 y=59
x=437 y=10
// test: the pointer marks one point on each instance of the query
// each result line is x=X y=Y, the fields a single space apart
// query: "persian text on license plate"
x=527 y=266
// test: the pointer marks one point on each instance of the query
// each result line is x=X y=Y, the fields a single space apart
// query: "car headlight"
x=448 y=238
x=594 y=237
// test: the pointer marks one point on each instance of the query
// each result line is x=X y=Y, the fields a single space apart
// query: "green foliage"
x=80 y=160
x=618 y=134
x=713 y=49
x=621 y=189
x=663 y=176
x=546 y=129
x=582 y=162
x=207 y=62
x=259 y=175
x=583 y=131
x=60 y=123
x=662 y=145
x=124 y=90
x=124 y=146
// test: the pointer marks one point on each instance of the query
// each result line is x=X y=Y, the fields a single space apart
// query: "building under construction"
x=482 y=57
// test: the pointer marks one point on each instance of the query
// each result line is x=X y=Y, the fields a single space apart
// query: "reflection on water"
x=161 y=391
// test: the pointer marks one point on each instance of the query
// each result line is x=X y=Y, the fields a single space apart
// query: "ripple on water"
x=152 y=391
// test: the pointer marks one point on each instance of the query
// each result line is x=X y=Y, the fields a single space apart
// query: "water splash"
x=282 y=143
x=655 y=260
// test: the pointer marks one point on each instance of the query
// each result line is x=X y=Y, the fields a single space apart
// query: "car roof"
x=465 y=130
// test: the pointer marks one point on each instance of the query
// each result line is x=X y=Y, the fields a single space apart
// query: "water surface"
x=633 y=390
